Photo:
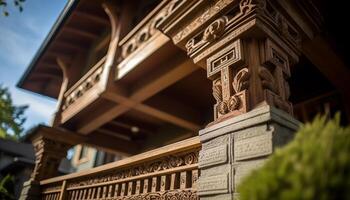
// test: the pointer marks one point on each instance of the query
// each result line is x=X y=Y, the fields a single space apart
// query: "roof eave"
x=71 y=4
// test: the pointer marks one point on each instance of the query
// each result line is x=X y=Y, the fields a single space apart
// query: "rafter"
x=70 y=45
x=92 y=17
x=80 y=32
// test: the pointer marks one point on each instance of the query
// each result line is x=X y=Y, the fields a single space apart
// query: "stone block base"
x=233 y=148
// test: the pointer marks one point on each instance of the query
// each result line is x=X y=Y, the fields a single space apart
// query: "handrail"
x=90 y=79
x=184 y=145
x=169 y=170
x=147 y=28
x=85 y=76
x=143 y=22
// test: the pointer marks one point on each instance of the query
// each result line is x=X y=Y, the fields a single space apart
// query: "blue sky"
x=21 y=35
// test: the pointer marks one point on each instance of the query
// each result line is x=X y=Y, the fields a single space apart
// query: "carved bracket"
x=48 y=155
x=247 y=47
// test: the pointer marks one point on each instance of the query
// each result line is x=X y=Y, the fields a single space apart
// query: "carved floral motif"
x=214 y=30
x=91 y=80
x=155 y=166
x=149 y=29
x=168 y=195
x=201 y=19
x=241 y=80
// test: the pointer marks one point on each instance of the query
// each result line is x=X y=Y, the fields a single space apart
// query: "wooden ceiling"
x=72 y=37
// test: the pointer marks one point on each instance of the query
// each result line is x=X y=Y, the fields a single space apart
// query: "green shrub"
x=7 y=185
x=314 y=166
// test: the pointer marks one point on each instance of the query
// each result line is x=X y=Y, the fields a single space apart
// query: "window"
x=83 y=152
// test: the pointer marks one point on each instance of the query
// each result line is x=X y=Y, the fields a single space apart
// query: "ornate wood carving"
x=48 y=155
x=168 y=173
x=247 y=47
x=145 y=168
x=88 y=81
x=147 y=28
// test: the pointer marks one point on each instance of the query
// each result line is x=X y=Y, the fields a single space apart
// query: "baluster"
x=69 y=195
x=131 y=188
x=164 y=183
x=175 y=181
x=93 y=192
x=146 y=186
x=98 y=194
x=104 y=192
x=194 y=178
x=84 y=194
x=155 y=184
x=123 y=190
x=138 y=187
x=110 y=191
x=116 y=190
x=89 y=194
x=80 y=194
x=73 y=194
x=184 y=180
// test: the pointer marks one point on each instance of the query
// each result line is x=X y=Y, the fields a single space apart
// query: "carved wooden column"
x=247 y=48
x=49 y=151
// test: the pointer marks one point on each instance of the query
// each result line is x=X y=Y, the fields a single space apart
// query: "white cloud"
x=40 y=109
x=21 y=48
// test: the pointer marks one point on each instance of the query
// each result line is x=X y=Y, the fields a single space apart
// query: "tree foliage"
x=11 y=117
x=315 y=165
x=7 y=185
x=16 y=3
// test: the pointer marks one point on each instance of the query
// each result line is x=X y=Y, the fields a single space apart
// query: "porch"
x=230 y=71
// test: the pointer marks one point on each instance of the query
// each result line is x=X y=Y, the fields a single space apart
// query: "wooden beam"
x=92 y=17
x=103 y=43
x=181 y=121
x=319 y=52
x=46 y=76
x=70 y=45
x=130 y=125
x=80 y=32
x=114 y=134
x=112 y=144
x=168 y=117
x=100 y=141
x=152 y=85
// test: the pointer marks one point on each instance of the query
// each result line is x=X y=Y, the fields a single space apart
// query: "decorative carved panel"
x=171 y=173
x=48 y=155
x=247 y=47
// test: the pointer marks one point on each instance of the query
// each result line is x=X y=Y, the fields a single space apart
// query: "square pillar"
x=233 y=148
x=49 y=149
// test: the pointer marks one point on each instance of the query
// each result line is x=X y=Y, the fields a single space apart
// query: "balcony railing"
x=170 y=172
x=80 y=89
x=145 y=39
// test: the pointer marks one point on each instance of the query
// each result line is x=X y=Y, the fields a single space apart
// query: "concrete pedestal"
x=233 y=148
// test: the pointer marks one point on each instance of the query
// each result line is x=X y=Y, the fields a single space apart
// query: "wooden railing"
x=84 y=84
x=83 y=92
x=144 y=38
x=170 y=172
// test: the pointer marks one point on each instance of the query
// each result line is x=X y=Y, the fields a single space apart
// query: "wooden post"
x=63 y=192
x=49 y=151
x=247 y=48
